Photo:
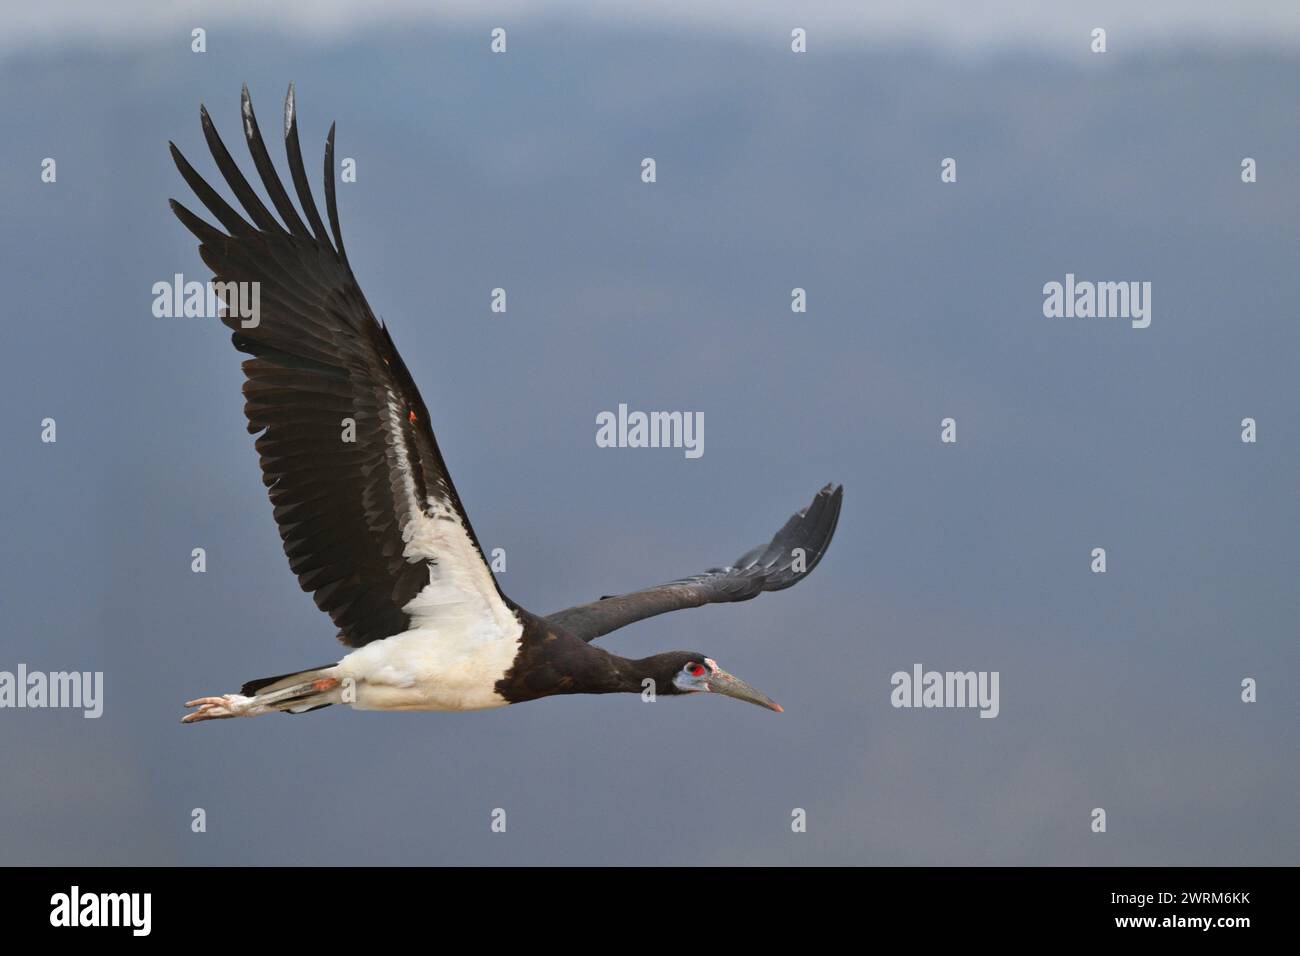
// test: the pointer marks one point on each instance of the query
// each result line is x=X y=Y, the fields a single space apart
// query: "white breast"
x=431 y=669
x=463 y=636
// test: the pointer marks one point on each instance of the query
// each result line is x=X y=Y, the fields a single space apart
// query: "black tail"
x=253 y=686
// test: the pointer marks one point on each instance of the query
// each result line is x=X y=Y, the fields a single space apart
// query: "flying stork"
x=373 y=527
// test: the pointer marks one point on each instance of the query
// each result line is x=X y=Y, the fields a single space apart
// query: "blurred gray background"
x=775 y=170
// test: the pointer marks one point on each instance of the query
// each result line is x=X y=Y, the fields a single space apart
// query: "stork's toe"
x=213 y=708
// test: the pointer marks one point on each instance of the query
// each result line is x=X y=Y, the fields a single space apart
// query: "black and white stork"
x=373 y=527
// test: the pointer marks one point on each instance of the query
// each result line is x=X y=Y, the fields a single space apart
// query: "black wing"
x=373 y=527
x=781 y=563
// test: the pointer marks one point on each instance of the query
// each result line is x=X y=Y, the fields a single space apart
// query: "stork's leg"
x=295 y=698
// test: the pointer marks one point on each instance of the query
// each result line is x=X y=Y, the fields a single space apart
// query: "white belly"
x=447 y=668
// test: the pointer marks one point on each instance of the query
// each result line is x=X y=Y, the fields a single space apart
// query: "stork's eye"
x=694 y=669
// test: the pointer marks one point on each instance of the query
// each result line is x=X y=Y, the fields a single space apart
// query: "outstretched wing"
x=370 y=520
x=781 y=563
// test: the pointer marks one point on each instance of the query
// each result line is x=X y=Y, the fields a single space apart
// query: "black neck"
x=555 y=662
x=625 y=674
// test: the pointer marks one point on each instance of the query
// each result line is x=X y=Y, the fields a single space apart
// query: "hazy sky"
x=775 y=170
x=954 y=25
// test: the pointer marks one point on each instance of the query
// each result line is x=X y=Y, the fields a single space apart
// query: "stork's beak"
x=720 y=682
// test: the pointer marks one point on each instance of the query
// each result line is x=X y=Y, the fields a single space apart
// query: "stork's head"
x=688 y=672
